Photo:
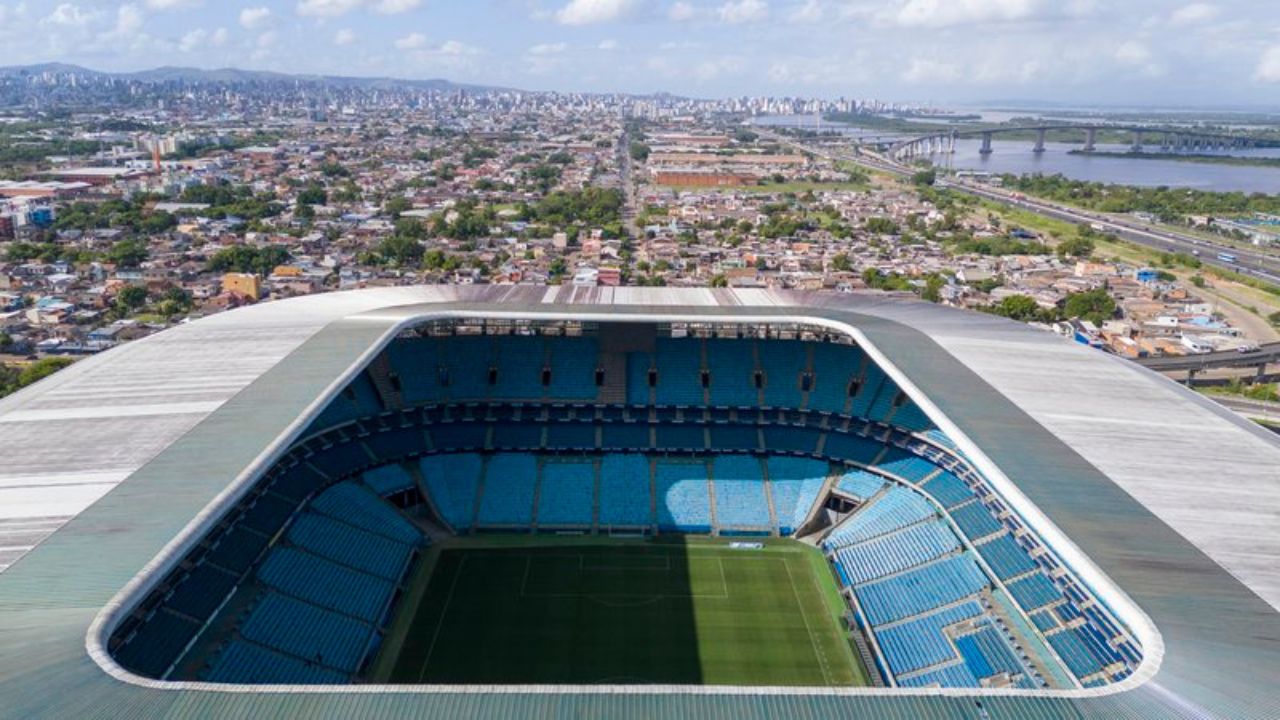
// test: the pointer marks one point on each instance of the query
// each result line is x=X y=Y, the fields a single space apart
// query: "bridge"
x=1192 y=364
x=1166 y=139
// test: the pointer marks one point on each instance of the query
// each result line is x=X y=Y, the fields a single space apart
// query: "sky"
x=1104 y=52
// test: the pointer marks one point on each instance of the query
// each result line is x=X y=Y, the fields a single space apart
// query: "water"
x=1016 y=158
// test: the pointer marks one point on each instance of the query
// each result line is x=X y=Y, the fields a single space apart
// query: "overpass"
x=1266 y=354
x=1166 y=139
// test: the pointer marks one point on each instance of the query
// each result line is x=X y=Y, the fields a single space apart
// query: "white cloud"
x=327 y=8
x=412 y=41
x=743 y=11
x=590 y=12
x=201 y=38
x=393 y=7
x=548 y=48
x=129 y=20
x=1268 y=69
x=948 y=13
x=609 y=44
x=1194 y=13
x=811 y=11
x=70 y=15
x=1133 y=52
x=267 y=39
x=173 y=4
x=254 y=18
x=931 y=72
x=457 y=48
x=681 y=11
x=1136 y=54
x=345 y=36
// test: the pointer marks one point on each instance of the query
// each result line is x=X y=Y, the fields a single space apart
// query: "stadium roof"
x=134 y=451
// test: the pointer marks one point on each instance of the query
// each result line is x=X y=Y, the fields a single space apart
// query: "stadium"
x=519 y=501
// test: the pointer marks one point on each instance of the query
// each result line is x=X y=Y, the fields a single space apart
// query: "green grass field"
x=544 y=610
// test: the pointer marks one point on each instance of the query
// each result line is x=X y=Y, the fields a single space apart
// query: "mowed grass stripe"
x=625 y=612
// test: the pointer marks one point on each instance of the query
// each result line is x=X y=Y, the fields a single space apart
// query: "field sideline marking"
x=818 y=655
x=444 y=612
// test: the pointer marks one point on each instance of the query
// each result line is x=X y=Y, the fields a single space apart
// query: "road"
x=1248 y=262
x=1251 y=409
x=627 y=171
x=1266 y=354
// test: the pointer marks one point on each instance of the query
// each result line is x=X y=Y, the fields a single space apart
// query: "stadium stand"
x=507 y=497
x=567 y=493
x=679 y=372
x=683 y=496
x=452 y=481
x=920 y=643
x=795 y=484
x=625 y=497
x=922 y=589
x=740 y=492
x=732 y=369
x=860 y=484
x=894 y=509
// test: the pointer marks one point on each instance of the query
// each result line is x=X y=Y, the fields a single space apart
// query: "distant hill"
x=170 y=74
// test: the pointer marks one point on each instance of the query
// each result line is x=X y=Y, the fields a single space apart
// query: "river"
x=1015 y=157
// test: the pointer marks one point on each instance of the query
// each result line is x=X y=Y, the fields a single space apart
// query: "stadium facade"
x=1023 y=527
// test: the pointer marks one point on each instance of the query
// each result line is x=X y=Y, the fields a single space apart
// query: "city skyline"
x=1146 y=53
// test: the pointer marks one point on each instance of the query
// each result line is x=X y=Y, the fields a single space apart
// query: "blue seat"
x=783 y=362
x=913 y=592
x=795 y=484
x=921 y=643
x=860 y=484
x=567 y=493
x=976 y=521
x=342 y=543
x=320 y=582
x=897 y=508
x=388 y=479
x=244 y=663
x=887 y=554
x=679 y=362
x=452 y=480
x=1006 y=557
x=307 y=632
x=509 y=482
x=739 y=491
x=948 y=489
x=625 y=497
x=732 y=368
x=684 y=496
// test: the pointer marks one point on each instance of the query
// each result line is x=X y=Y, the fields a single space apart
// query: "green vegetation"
x=679 y=611
x=639 y=151
x=13 y=379
x=228 y=200
x=1190 y=158
x=1266 y=392
x=1168 y=204
x=592 y=207
x=998 y=246
x=249 y=259
x=130 y=216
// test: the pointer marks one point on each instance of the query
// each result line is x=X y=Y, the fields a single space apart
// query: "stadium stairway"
x=380 y=372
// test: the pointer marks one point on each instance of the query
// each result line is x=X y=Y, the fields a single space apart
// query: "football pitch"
x=545 y=610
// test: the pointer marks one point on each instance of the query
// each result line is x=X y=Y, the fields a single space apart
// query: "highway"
x=1251 y=409
x=1266 y=354
x=1248 y=262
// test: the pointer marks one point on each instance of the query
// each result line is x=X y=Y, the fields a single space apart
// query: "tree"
x=881 y=226
x=1077 y=247
x=1018 y=307
x=128 y=253
x=639 y=151
x=130 y=299
x=719 y=281
x=396 y=205
x=313 y=195
x=403 y=250
x=925 y=177
x=1096 y=306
